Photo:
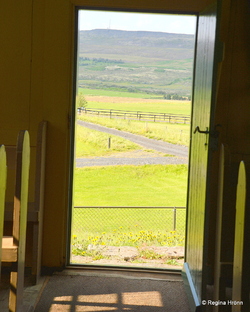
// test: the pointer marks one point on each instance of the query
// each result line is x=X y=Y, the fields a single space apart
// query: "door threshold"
x=125 y=271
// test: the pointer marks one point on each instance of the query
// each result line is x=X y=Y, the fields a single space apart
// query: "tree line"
x=83 y=60
x=175 y=96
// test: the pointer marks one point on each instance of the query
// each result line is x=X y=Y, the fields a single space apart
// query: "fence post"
x=109 y=142
x=174 y=219
x=181 y=136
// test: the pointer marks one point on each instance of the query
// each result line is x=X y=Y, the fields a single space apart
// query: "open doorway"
x=134 y=86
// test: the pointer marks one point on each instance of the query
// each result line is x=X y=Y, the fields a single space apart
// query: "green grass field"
x=101 y=92
x=147 y=185
x=130 y=102
x=92 y=143
x=127 y=227
x=172 y=133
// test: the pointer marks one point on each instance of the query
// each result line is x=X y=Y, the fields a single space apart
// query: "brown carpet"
x=75 y=293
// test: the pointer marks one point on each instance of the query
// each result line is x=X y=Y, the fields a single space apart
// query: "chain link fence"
x=128 y=226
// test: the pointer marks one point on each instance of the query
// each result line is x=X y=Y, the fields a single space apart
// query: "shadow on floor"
x=74 y=291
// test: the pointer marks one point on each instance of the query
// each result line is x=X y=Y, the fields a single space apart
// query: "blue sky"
x=183 y=24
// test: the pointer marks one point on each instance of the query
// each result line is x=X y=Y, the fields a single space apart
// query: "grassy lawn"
x=131 y=102
x=148 y=185
x=108 y=93
x=95 y=143
x=127 y=227
x=172 y=133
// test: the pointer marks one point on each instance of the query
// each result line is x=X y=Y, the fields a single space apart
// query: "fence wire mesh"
x=127 y=226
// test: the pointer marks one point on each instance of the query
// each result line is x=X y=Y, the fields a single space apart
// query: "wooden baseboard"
x=193 y=299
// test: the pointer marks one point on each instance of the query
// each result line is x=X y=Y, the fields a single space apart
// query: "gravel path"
x=136 y=157
x=115 y=161
x=157 y=145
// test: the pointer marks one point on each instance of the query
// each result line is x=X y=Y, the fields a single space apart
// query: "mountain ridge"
x=151 y=62
x=142 y=38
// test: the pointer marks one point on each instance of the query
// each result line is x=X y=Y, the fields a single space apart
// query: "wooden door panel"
x=202 y=113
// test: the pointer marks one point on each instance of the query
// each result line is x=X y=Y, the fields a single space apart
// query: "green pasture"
x=131 y=186
x=103 y=92
x=90 y=143
x=172 y=133
x=137 y=102
x=147 y=185
x=164 y=106
x=127 y=227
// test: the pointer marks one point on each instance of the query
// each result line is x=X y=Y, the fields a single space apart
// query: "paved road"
x=180 y=152
x=157 y=145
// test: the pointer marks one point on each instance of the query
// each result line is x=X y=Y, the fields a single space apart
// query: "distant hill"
x=137 y=61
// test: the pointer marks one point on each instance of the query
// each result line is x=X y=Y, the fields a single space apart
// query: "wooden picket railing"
x=13 y=247
x=3 y=176
x=21 y=211
x=240 y=287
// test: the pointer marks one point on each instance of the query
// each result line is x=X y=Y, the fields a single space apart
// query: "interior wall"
x=232 y=114
x=36 y=82
x=171 y=6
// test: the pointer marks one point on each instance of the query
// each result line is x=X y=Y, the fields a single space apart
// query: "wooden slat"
x=35 y=208
x=3 y=172
x=20 y=219
x=239 y=232
x=39 y=199
x=222 y=268
x=32 y=212
x=241 y=287
x=196 y=249
x=9 y=252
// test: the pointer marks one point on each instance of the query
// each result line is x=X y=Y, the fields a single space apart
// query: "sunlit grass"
x=138 y=104
x=146 y=185
x=172 y=133
x=111 y=93
x=96 y=143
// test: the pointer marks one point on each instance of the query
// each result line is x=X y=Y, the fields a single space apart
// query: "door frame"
x=73 y=113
